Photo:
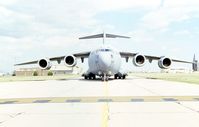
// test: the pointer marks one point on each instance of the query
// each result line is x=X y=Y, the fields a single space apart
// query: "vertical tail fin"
x=195 y=64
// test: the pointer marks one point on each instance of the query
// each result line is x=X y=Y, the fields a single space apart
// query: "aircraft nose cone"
x=105 y=61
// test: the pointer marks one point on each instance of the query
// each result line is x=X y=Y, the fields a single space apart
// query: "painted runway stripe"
x=73 y=100
x=8 y=102
x=170 y=99
x=98 y=99
x=41 y=101
x=137 y=100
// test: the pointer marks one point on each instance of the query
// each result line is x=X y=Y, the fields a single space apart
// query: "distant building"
x=197 y=66
x=56 y=70
x=2 y=74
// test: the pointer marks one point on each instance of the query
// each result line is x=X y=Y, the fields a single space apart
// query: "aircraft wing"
x=58 y=58
x=150 y=58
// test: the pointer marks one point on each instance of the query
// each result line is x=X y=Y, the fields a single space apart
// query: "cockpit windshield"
x=105 y=50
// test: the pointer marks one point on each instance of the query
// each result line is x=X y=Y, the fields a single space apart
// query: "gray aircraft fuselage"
x=104 y=61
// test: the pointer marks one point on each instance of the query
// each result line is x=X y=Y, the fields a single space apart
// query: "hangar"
x=56 y=70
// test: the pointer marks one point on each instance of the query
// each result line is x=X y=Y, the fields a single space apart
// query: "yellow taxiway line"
x=105 y=107
x=98 y=99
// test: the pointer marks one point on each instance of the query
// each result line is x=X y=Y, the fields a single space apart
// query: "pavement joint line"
x=189 y=108
x=12 y=117
x=98 y=99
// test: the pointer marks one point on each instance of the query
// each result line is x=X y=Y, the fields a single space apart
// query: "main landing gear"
x=104 y=77
x=90 y=76
x=119 y=76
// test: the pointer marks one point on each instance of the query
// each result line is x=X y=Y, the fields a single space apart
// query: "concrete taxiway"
x=134 y=102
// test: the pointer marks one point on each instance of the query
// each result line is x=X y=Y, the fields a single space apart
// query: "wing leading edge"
x=150 y=58
x=58 y=58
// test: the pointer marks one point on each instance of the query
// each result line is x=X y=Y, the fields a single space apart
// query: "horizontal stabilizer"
x=103 y=36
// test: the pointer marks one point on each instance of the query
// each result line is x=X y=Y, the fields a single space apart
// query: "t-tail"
x=195 y=65
x=104 y=36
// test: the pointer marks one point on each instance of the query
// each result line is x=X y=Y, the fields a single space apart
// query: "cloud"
x=172 y=12
x=183 y=33
x=31 y=28
x=52 y=18
x=13 y=24
x=164 y=17
x=7 y=2
x=181 y=3
x=110 y=5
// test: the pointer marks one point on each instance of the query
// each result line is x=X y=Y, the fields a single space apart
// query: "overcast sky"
x=32 y=29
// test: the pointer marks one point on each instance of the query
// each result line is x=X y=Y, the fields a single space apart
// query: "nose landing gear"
x=105 y=77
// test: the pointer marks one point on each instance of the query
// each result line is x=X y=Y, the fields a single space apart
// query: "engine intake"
x=70 y=61
x=164 y=63
x=139 y=60
x=44 y=64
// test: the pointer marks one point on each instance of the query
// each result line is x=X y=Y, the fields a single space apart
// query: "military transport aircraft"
x=105 y=61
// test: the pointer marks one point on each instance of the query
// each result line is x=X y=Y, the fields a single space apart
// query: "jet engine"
x=164 y=62
x=70 y=61
x=139 y=60
x=44 y=64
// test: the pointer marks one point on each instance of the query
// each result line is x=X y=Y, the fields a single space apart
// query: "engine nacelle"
x=139 y=60
x=164 y=63
x=44 y=64
x=70 y=61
